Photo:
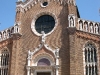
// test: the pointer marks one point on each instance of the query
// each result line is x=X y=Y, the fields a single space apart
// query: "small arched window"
x=86 y=26
x=90 y=53
x=43 y=62
x=96 y=29
x=8 y=34
x=12 y=30
x=71 y=22
x=4 y=62
x=80 y=25
x=91 y=27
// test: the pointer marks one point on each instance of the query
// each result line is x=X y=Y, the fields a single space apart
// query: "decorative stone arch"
x=96 y=28
x=71 y=22
x=4 y=34
x=80 y=25
x=71 y=19
x=16 y=28
x=42 y=44
x=90 y=57
x=90 y=42
x=5 y=49
x=91 y=29
x=8 y=33
x=41 y=14
x=86 y=26
x=4 y=61
x=44 y=55
x=12 y=30
x=53 y=63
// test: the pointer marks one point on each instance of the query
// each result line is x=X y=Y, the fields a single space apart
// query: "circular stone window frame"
x=39 y=15
x=43 y=5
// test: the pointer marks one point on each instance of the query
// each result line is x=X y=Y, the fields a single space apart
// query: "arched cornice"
x=44 y=55
x=45 y=46
x=3 y=49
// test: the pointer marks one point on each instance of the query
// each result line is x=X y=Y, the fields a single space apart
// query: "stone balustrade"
x=88 y=26
x=84 y=25
x=6 y=34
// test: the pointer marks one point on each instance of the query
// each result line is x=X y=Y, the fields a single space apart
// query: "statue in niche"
x=71 y=22
x=43 y=36
x=91 y=28
x=29 y=54
x=57 y=52
x=8 y=33
x=4 y=35
x=96 y=29
x=85 y=27
x=80 y=25
x=16 y=29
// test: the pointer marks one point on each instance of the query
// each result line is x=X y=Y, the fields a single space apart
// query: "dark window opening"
x=44 y=23
x=45 y=3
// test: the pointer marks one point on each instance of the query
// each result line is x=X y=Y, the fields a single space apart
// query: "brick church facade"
x=50 y=38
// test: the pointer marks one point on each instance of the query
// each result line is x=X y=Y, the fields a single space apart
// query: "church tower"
x=50 y=38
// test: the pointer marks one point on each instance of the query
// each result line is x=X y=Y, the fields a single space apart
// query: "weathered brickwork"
x=69 y=40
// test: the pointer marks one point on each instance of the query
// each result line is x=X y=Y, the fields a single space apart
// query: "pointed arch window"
x=4 y=62
x=90 y=54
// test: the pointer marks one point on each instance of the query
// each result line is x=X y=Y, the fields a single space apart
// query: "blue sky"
x=88 y=9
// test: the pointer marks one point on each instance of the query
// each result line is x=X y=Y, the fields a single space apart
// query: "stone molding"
x=24 y=6
x=7 y=34
x=88 y=26
x=88 y=36
x=37 y=16
x=55 y=53
x=43 y=55
x=71 y=19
